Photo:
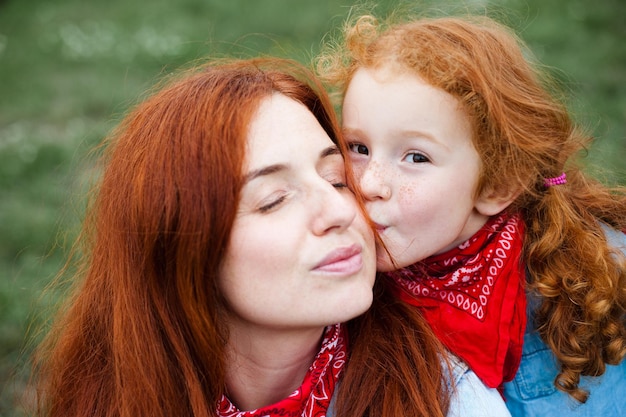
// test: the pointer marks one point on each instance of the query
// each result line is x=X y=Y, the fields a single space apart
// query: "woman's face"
x=301 y=254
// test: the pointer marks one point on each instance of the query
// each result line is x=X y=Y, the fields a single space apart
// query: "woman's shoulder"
x=470 y=396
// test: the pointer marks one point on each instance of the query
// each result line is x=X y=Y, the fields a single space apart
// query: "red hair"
x=142 y=334
x=523 y=135
x=144 y=325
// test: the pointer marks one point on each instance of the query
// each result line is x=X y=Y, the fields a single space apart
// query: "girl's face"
x=301 y=255
x=412 y=152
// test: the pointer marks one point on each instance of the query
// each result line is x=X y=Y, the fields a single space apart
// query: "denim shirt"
x=532 y=392
x=471 y=397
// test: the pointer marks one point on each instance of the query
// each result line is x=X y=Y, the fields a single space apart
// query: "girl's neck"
x=263 y=367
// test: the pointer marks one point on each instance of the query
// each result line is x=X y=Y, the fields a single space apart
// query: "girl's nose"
x=373 y=183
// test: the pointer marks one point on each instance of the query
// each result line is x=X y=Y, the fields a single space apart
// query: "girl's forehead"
x=389 y=70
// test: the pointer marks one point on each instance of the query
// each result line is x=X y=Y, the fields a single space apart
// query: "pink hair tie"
x=549 y=182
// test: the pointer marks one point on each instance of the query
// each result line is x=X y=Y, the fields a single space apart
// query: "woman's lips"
x=345 y=260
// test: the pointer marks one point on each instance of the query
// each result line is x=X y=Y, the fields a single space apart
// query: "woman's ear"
x=493 y=201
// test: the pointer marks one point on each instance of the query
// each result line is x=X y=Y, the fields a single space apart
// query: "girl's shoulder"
x=532 y=392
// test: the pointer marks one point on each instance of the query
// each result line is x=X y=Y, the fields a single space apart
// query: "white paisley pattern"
x=313 y=397
x=468 y=288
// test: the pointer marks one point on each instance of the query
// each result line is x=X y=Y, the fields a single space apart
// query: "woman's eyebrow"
x=272 y=169
x=268 y=170
x=331 y=150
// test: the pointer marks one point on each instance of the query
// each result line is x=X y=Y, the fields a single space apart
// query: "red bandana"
x=314 y=395
x=473 y=297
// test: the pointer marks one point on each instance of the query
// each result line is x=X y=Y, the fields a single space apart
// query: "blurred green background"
x=70 y=68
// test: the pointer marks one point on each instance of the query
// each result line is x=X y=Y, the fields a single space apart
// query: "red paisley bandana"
x=313 y=397
x=473 y=297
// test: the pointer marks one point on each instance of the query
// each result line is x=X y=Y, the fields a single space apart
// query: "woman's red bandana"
x=474 y=299
x=313 y=397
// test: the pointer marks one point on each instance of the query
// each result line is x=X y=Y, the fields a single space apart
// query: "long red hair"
x=142 y=333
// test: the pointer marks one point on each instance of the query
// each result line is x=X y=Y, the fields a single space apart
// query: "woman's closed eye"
x=416 y=158
x=335 y=174
x=359 y=148
x=272 y=202
x=337 y=182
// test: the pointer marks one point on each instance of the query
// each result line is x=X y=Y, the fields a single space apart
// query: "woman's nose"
x=336 y=209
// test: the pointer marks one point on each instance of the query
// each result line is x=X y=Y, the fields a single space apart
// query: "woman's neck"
x=263 y=367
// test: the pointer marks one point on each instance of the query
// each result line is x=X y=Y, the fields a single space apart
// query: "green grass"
x=69 y=69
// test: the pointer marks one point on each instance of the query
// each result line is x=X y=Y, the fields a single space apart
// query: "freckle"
x=409 y=193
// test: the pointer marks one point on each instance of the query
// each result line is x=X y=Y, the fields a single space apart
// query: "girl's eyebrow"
x=272 y=169
x=422 y=134
x=348 y=131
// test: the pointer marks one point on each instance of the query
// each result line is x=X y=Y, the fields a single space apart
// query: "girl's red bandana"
x=313 y=397
x=473 y=297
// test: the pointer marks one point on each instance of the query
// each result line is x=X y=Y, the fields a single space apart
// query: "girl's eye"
x=416 y=158
x=359 y=148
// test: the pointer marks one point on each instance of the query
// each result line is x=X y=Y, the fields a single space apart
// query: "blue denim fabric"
x=532 y=393
x=471 y=397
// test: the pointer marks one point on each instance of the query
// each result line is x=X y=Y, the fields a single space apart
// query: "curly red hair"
x=523 y=134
